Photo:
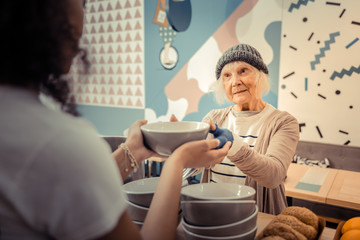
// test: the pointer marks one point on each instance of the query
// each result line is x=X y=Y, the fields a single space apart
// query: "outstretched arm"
x=161 y=220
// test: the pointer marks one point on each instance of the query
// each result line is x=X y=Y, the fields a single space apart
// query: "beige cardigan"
x=266 y=165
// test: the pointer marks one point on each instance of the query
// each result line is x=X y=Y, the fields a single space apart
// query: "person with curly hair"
x=58 y=178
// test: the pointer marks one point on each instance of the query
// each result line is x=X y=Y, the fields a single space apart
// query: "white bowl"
x=165 y=137
x=215 y=213
x=136 y=212
x=141 y=191
x=250 y=235
x=217 y=191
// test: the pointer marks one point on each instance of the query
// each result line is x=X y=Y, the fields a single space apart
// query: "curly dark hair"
x=32 y=36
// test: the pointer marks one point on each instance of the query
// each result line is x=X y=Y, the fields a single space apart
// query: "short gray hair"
x=263 y=86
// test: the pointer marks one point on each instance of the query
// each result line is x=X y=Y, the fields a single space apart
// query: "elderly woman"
x=265 y=138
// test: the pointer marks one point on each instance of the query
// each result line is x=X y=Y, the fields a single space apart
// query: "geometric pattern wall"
x=319 y=71
x=113 y=35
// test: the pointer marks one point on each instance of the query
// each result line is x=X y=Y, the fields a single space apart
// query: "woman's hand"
x=202 y=153
x=212 y=126
x=222 y=134
x=135 y=142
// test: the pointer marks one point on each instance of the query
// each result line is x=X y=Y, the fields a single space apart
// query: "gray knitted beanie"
x=241 y=52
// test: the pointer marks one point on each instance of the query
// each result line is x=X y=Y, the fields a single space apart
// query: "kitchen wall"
x=311 y=49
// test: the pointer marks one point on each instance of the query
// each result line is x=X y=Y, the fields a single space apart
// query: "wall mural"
x=319 y=70
x=199 y=71
x=114 y=37
x=310 y=47
x=311 y=50
x=174 y=91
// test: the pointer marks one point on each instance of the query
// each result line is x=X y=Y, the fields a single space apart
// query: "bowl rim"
x=203 y=126
x=127 y=191
x=136 y=205
x=254 y=214
x=222 y=237
x=253 y=191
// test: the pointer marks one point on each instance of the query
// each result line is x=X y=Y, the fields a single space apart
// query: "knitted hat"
x=241 y=52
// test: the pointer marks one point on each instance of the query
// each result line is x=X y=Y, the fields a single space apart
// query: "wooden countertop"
x=263 y=220
x=296 y=173
x=345 y=190
x=339 y=187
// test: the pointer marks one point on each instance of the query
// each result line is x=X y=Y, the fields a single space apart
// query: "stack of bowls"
x=139 y=196
x=219 y=211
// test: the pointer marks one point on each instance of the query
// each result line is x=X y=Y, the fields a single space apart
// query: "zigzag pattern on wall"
x=345 y=72
x=298 y=4
x=322 y=50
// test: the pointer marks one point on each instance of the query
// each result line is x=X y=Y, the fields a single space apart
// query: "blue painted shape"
x=352 y=42
x=298 y=4
x=308 y=187
x=272 y=35
x=178 y=14
x=204 y=23
x=322 y=50
x=345 y=72
x=110 y=121
x=306 y=84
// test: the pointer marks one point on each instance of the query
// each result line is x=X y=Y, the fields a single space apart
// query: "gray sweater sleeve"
x=268 y=162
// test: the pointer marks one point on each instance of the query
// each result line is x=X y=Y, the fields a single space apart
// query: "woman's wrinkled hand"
x=222 y=134
x=212 y=126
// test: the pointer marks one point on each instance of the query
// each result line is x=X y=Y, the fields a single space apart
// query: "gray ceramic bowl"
x=215 y=213
x=165 y=137
x=141 y=191
x=250 y=235
x=136 y=212
x=243 y=226
x=217 y=191
x=140 y=223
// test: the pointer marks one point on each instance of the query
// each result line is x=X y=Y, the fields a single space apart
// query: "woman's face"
x=240 y=84
x=75 y=10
